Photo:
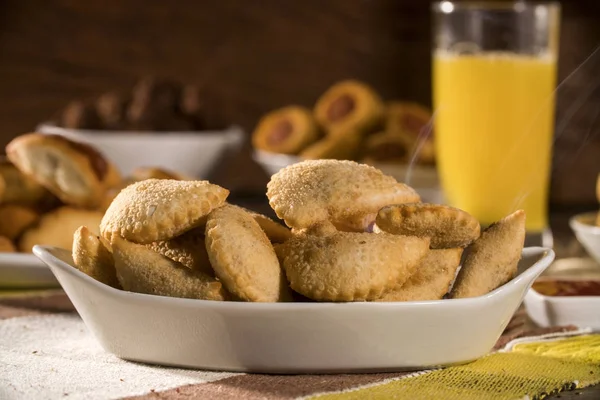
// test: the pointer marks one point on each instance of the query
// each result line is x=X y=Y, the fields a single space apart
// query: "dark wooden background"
x=258 y=55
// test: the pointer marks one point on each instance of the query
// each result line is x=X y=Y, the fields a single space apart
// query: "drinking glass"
x=494 y=77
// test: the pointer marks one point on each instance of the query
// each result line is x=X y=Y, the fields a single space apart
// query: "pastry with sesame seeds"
x=346 y=194
x=160 y=209
x=447 y=227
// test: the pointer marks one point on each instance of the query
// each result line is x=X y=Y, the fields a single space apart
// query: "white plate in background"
x=23 y=271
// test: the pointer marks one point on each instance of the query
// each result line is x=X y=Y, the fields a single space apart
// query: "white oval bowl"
x=588 y=234
x=293 y=337
x=194 y=154
x=424 y=179
x=23 y=270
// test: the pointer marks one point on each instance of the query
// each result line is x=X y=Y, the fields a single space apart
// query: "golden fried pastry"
x=350 y=105
x=431 y=279
x=143 y=173
x=112 y=108
x=6 y=245
x=14 y=219
x=492 y=260
x=56 y=228
x=242 y=256
x=160 y=209
x=344 y=193
x=407 y=117
x=287 y=130
x=384 y=147
x=276 y=232
x=410 y=120
x=18 y=187
x=141 y=270
x=447 y=227
x=349 y=266
x=93 y=258
x=75 y=172
x=188 y=249
x=336 y=147
x=80 y=115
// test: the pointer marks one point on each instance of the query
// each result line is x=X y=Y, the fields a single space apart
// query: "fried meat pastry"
x=242 y=256
x=92 y=257
x=15 y=219
x=188 y=249
x=141 y=270
x=75 y=172
x=287 y=130
x=350 y=105
x=350 y=266
x=335 y=147
x=160 y=209
x=276 y=232
x=492 y=260
x=143 y=173
x=56 y=228
x=343 y=193
x=409 y=120
x=447 y=227
x=431 y=279
x=18 y=187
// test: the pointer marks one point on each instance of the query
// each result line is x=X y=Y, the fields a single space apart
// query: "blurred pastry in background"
x=143 y=173
x=153 y=104
x=356 y=124
x=287 y=130
x=337 y=147
x=6 y=246
x=80 y=115
x=75 y=172
x=56 y=228
x=351 y=105
x=385 y=147
x=15 y=219
x=112 y=108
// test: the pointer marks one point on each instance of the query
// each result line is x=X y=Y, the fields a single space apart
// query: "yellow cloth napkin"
x=525 y=369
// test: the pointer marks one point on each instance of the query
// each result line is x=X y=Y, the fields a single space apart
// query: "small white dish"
x=581 y=311
x=194 y=154
x=21 y=270
x=587 y=232
x=424 y=179
x=293 y=337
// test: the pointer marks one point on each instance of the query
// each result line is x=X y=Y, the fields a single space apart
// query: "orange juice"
x=493 y=133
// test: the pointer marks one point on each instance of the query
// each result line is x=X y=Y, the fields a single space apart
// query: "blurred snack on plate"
x=6 y=245
x=349 y=105
x=287 y=130
x=350 y=121
x=153 y=104
x=52 y=185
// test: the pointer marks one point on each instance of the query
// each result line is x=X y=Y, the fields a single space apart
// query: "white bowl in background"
x=293 y=337
x=194 y=154
x=424 y=179
x=581 y=311
x=587 y=232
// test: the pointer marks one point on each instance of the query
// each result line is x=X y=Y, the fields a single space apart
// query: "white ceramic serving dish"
x=21 y=270
x=424 y=179
x=581 y=311
x=587 y=232
x=194 y=154
x=293 y=337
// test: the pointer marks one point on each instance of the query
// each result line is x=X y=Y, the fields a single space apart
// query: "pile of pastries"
x=49 y=186
x=154 y=104
x=350 y=233
x=350 y=121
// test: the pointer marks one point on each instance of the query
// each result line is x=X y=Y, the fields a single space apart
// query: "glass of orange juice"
x=494 y=77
